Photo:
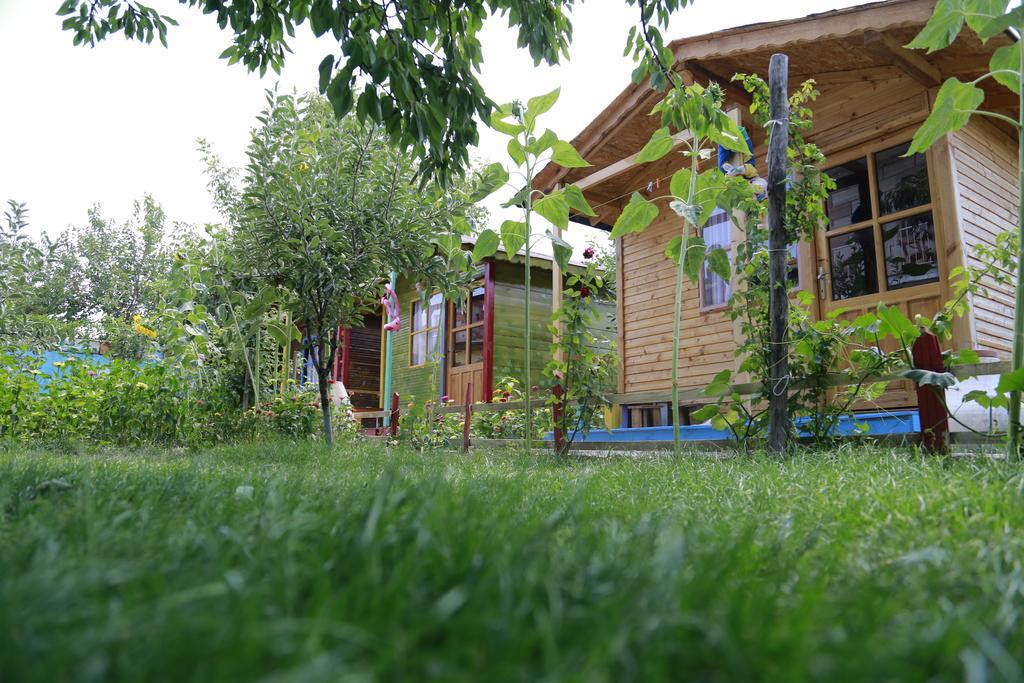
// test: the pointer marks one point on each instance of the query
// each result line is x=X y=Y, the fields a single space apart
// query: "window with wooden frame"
x=424 y=330
x=466 y=336
x=881 y=234
x=714 y=289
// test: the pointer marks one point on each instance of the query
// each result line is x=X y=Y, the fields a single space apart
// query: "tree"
x=416 y=60
x=330 y=208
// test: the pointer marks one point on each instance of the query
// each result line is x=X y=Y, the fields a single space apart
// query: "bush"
x=129 y=403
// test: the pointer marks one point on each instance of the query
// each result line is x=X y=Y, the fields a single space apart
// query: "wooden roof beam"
x=913 y=64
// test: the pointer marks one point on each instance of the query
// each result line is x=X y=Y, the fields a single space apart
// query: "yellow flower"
x=58 y=364
x=141 y=385
x=140 y=328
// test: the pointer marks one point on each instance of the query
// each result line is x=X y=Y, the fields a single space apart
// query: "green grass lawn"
x=372 y=565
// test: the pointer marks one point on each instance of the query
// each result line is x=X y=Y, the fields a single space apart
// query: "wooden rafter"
x=912 y=63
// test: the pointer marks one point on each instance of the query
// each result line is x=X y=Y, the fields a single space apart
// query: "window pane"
x=715 y=290
x=793 y=265
x=476 y=308
x=460 y=314
x=854 y=271
x=434 y=317
x=459 y=349
x=476 y=345
x=910 y=254
x=419 y=349
x=432 y=336
x=419 y=316
x=902 y=183
x=850 y=202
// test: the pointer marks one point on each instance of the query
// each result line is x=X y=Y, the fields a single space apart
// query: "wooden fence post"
x=469 y=417
x=931 y=406
x=778 y=255
x=393 y=426
x=558 y=417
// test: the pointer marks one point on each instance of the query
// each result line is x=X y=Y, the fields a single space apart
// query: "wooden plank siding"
x=855 y=112
x=986 y=173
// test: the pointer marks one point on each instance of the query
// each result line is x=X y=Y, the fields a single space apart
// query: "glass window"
x=850 y=202
x=714 y=289
x=476 y=306
x=426 y=320
x=459 y=349
x=476 y=345
x=854 y=267
x=902 y=182
x=910 y=254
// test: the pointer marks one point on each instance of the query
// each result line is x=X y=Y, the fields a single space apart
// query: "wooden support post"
x=393 y=423
x=778 y=252
x=468 y=418
x=558 y=418
x=931 y=400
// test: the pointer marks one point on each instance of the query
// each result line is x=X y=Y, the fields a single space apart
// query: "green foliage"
x=529 y=152
x=329 y=210
x=583 y=363
x=508 y=424
x=408 y=66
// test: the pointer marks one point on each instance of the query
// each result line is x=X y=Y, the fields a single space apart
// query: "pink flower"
x=200 y=402
x=584 y=291
x=588 y=253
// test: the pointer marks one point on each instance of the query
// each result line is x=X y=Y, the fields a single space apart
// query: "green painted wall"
x=510 y=317
x=411 y=383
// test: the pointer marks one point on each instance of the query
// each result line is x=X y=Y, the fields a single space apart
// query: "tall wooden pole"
x=778 y=251
x=1013 y=429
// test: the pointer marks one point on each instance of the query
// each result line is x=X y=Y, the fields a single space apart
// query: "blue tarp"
x=879 y=424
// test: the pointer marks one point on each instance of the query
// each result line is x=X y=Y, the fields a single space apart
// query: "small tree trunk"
x=778 y=249
x=325 y=403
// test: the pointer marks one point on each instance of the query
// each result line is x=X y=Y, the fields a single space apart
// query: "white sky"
x=80 y=126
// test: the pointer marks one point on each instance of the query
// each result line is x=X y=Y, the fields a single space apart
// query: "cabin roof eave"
x=751 y=38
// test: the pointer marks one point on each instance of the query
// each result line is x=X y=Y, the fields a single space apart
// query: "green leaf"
x=516 y=151
x=660 y=144
x=982 y=398
x=486 y=245
x=727 y=133
x=513 y=236
x=693 y=259
x=542 y=143
x=554 y=207
x=490 y=179
x=719 y=385
x=705 y=413
x=718 y=260
x=942 y=28
x=708 y=188
x=954 y=104
x=996 y=25
x=561 y=250
x=536 y=106
x=979 y=13
x=637 y=215
x=576 y=200
x=964 y=357
x=325 y=69
x=1007 y=57
x=896 y=324
x=927 y=377
x=1011 y=381
x=566 y=156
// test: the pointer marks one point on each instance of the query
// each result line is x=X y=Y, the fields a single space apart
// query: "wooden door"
x=362 y=373
x=882 y=243
x=465 y=348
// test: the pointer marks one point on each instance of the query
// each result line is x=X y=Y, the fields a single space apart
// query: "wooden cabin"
x=443 y=345
x=929 y=210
